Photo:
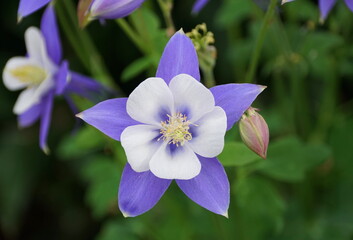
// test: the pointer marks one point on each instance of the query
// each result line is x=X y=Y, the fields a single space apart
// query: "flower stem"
x=83 y=45
x=166 y=7
x=260 y=40
x=132 y=34
x=208 y=77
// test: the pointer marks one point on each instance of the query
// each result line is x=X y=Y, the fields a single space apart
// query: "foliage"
x=301 y=191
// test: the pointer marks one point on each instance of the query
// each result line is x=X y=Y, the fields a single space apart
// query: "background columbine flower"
x=42 y=74
x=106 y=9
x=172 y=127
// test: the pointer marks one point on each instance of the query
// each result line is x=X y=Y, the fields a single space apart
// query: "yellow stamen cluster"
x=176 y=129
x=30 y=74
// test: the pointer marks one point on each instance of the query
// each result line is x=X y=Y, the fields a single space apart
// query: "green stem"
x=83 y=44
x=260 y=40
x=166 y=8
x=208 y=77
x=70 y=34
x=131 y=33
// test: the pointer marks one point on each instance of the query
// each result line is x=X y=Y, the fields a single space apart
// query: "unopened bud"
x=254 y=132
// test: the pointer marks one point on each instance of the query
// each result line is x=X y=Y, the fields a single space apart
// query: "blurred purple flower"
x=172 y=127
x=43 y=74
x=198 y=5
x=326 y=6
x=28 y=7
x=89 y=10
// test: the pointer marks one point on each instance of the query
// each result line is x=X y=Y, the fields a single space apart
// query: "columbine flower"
x=172 y=127
x=326 y=6
x=28 y=7
x=106 y=9
x=42 y=74
x=198 y=5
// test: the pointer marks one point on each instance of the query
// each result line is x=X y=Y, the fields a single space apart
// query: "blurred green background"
x=304 y=190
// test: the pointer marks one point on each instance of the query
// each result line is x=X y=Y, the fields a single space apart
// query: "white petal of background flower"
x=208 y=140
x=140 y=143
x=190 y=93
x=37 y=50
x=147 y=101
x=181 y=164
x=25 y=100
x=10 y=81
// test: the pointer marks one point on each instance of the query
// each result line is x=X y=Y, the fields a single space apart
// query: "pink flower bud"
x=254 y=132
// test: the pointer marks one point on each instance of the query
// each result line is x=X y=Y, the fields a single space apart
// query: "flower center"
x=176 y=129
x=30 y=74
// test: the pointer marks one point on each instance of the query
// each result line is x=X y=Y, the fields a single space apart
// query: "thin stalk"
x=260 y=41
x=96 y=66
x=327 y=109
x=70 y=34
x=208 y=77
x=131 y=33
x=166 y=8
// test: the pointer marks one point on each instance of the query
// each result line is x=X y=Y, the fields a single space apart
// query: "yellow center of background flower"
x=30 y=74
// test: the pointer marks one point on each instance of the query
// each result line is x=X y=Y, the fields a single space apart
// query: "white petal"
x=180 y=163
x=140 y=143
x=25 y=100
x=149 y=101
x=10 y=81
x=37 y=50
x=45 y=86
x=208 y=135
x=32 y=95
x=191 y=97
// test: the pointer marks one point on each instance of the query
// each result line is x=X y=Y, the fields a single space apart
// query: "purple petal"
x=83 y=86
x=61 y=78
x=139 y=192
x=113 y=9
x=199 y=4
x=49 y=28
x=45 y=119
x=179 y=57
x=109 y=117
x=349 y=4
x=209 y=189
x=325 y=7
x=30 y=116
x=29 y=6
x=235 y=99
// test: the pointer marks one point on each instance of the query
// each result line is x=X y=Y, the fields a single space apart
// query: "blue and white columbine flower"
x=172 y=127
x=42 y=74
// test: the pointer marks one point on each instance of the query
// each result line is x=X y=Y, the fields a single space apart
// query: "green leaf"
x=148 y=26
x=237 y=154
x=260 y=207
x=103 y=176
x=289 y=159
x=135 y=68
x=21 y=167
x=86 y=140
x=113 y=230
x=226 y=15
